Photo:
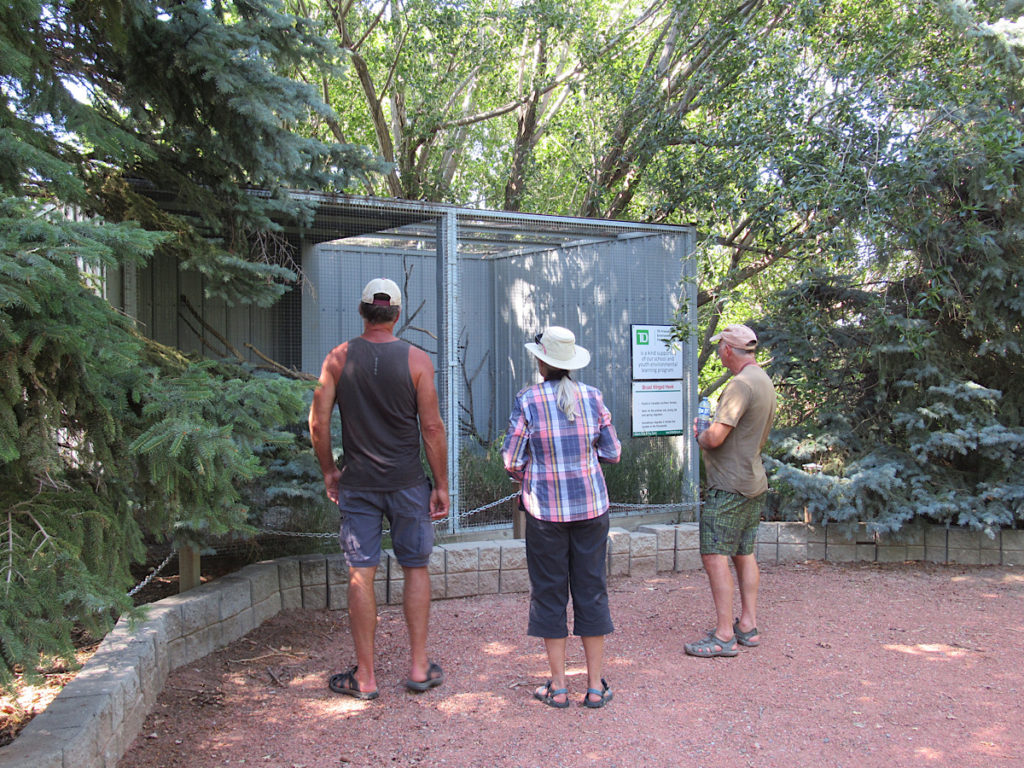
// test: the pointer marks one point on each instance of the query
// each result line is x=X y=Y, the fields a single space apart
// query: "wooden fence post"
x=519 y=523
x=188 y=568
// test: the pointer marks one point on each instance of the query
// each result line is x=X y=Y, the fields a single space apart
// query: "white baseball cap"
x=381 y=285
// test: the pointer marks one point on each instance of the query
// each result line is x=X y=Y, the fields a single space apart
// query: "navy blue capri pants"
x=564 y=559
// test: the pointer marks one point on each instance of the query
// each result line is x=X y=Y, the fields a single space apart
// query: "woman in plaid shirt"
x=558 y=433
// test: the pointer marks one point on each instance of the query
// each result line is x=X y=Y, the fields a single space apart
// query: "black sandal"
x=346 y=683
x=606 y=696
x=548 y=697
x=435 y=676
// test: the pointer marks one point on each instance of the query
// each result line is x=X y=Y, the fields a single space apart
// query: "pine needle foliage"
x=182 y=97
x=107 y=439
x=66 y=532
x=907 y=367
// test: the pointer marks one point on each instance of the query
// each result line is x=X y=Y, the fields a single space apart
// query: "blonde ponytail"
x=567 y=397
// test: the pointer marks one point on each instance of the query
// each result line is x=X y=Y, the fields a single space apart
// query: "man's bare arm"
x=320 y=419
x=432 y=429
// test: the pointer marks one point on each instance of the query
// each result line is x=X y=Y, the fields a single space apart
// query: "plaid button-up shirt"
x=556 y=459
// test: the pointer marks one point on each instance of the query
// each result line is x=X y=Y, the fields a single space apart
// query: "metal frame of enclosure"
x=477 y=284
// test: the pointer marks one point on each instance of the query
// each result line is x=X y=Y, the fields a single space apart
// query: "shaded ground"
x=25 y=700
x=861 y=665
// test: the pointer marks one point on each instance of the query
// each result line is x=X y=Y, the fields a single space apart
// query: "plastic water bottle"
x=703 y=415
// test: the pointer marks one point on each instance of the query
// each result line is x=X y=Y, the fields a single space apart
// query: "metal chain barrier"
x=677 y=506
x=299 y=534
x=471 y=512
x=444 y=521
x=142 y=584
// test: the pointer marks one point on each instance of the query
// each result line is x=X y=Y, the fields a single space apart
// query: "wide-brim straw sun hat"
x=558 y=348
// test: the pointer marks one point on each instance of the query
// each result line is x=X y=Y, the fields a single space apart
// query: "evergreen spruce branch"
x=79 y=385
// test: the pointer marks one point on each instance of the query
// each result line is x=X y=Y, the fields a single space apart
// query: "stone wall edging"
x=99 y=713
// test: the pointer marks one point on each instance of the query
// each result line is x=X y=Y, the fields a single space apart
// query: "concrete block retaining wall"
x=100 y=712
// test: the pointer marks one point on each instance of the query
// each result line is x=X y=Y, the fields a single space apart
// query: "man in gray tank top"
x=386 y=397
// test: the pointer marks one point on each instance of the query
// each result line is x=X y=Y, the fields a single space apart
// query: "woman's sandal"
x=606 y=696
x=744 y=638
x=549 y=693
x=712 y=646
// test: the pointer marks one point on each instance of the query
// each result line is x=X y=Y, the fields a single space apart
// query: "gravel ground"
x=861 y=665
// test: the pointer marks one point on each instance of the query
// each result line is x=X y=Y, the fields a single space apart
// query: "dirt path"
x=862 y=666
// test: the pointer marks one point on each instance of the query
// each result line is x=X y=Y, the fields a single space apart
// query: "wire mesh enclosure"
x=476 y=286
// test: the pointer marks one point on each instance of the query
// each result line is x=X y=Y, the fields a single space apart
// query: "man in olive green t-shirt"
x=736 y=483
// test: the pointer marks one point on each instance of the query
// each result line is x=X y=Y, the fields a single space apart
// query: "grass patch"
x=651 y=471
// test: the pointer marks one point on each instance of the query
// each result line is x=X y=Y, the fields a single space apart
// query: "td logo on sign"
x=643 y=337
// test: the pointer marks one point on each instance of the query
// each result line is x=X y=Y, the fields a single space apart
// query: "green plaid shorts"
x=728 y=523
